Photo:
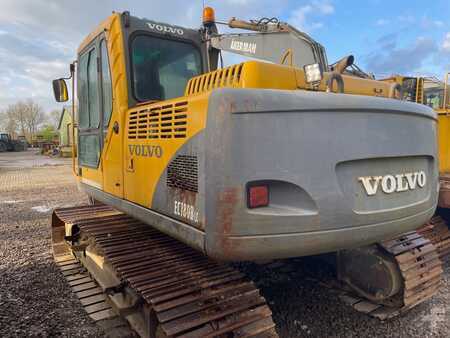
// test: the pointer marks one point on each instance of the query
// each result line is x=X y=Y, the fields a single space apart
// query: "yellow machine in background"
x=434 y=93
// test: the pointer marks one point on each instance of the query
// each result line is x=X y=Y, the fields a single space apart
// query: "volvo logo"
x=165 y=29
x=393 y=183
x=145 y=150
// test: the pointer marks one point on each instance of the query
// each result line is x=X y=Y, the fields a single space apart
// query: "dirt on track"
x=35 y=299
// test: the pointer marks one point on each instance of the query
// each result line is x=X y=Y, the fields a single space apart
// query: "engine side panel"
x=163 y=154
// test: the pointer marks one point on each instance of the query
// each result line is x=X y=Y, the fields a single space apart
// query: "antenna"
x=203 y=1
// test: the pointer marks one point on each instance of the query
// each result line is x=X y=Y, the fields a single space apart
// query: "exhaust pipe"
x=341 y=65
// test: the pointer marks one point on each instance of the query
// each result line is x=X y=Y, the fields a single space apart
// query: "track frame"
x=162 y=287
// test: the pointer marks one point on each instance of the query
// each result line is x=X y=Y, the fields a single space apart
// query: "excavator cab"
x=446 y=100
x=409 y=88
x=434 y=93
x=429 y=91
x=161 y=68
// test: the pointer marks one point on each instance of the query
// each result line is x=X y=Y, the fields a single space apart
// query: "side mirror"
x=60 y=90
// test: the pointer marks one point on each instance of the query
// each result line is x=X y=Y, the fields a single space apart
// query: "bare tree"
x=23 y=118
x=11 y=119
x=19 y=112
x=3 y=120
x=54 y=117
x=34 y=116
x=10 y=125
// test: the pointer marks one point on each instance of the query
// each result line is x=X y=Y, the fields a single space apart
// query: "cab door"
x=111 y=128
x=89 y=116
x=99 y=143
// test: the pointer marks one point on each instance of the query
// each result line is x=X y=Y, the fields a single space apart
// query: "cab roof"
x=142 y=24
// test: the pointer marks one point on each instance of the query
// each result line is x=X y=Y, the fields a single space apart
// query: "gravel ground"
x=35 y=299
x=303 y=308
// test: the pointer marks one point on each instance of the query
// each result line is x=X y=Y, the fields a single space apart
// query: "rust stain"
x=444 y=192
x=250 y=105
x=228 y=199
x=229 y=196
x=233 y=107
x=227 y=104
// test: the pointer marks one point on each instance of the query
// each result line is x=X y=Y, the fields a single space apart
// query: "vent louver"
x=225 y=77
x=159 y=122
x=182 y=173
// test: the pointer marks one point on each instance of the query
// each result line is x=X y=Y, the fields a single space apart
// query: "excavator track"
x=421 y=270
x=437 y=231
x=177 y=291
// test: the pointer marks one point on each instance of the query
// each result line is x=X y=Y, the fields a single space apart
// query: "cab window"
x=409 y=87
x=89 y=111
x=161 y=68
x=106 y=85
x=83 y=111
x=434 y=94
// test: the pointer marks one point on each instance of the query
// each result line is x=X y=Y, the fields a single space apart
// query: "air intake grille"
x=158 y=122
x=226 y=77
x=182 y=173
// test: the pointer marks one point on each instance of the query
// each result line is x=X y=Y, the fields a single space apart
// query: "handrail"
x=72 y=71
x=339 y=80
x=396 y=88
x=445 y=94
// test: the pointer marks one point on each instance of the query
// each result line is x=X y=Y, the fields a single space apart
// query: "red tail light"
x=258 y=196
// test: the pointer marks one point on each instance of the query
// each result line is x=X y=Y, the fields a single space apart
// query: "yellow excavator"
x=434 y=93
x=190 y=165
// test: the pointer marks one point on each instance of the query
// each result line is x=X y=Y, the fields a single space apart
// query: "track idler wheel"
x=371 y=272
x=394 y=275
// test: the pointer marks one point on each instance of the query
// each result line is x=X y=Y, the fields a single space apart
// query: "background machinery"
x=191 y=166
x=8 y=144
x=434 y=93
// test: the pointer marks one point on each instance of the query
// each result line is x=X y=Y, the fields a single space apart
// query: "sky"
x=38 y=38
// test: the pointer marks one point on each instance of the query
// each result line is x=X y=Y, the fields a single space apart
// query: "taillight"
x=258 y=196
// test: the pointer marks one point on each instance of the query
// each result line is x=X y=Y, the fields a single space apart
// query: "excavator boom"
x=275 y=42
